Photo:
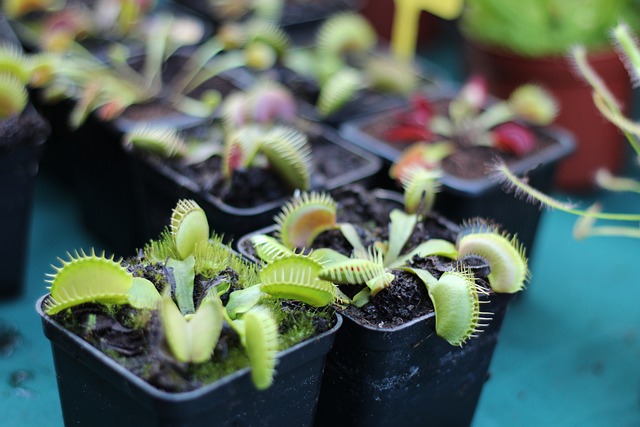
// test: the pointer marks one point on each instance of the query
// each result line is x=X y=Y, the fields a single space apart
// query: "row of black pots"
x=22 y=139
x=374 y=376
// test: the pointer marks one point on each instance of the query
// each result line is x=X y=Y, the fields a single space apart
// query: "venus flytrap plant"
x=109 y=88
x=255 y=131
x=184 y=259
x=456 y=295
x=611 y=110
x=343 y=66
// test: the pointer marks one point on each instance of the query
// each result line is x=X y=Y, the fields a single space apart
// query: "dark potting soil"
x=254 y=186
x=466 y=162
x=407 y=297
x=135 y=338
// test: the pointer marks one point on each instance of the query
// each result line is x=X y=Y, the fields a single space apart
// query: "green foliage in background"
x=546 y=27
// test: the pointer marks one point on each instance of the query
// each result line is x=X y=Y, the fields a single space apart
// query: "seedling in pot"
x=455 y=294
x=255 y=132
x=610 y=108
x=506 y=126
x=182 y=279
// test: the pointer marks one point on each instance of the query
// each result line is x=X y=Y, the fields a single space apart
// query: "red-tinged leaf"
x=513 y=138
x=235 y=158
x=413 y=157
x=407 y=134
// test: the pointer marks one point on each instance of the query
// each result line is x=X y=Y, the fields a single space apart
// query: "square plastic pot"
x=19 y=161
x=163 y=185
x=406 y=376
x=95 y=390
x=92 y=163
x=461 y=199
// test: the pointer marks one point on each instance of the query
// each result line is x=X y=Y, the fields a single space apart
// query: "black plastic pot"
x=295 y=13
x=91 y=162
x=163 y=185
x=461 y=199
x=21 y=141
x=406 y=376
x=95 y=390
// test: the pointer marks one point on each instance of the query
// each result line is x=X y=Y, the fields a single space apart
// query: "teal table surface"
x=568 y=355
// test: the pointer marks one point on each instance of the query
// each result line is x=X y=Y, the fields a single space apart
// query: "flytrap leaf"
x=269 y=248
x=304 y=217
x=193 y=339
x=165 y=142
x=189 y=226
x=296 y=277
x=456 y=304
x=91 y=278
x=261 y=342
x=505 y=254
x=289 y=154
x=367 y=269
x=338 y=90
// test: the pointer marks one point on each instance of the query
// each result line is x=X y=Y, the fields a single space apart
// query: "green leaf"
x=296 y=277
x=143 y=294
x=176 y=330
x=430 y=247
x=327 y=256
x=400 y=228
x=269 y=248
x=88 y=278
x=243 y=300
x=184 y=275
x=261 y=340
x=192 y=340
x=351 y=234
x=206 y=326
x=189 y=226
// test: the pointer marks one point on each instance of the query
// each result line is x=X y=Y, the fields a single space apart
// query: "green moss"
x=219 y=366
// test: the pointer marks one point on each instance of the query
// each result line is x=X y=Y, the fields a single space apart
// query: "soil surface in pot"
x=135 y=338
x=467 y=161
x=250 y=187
